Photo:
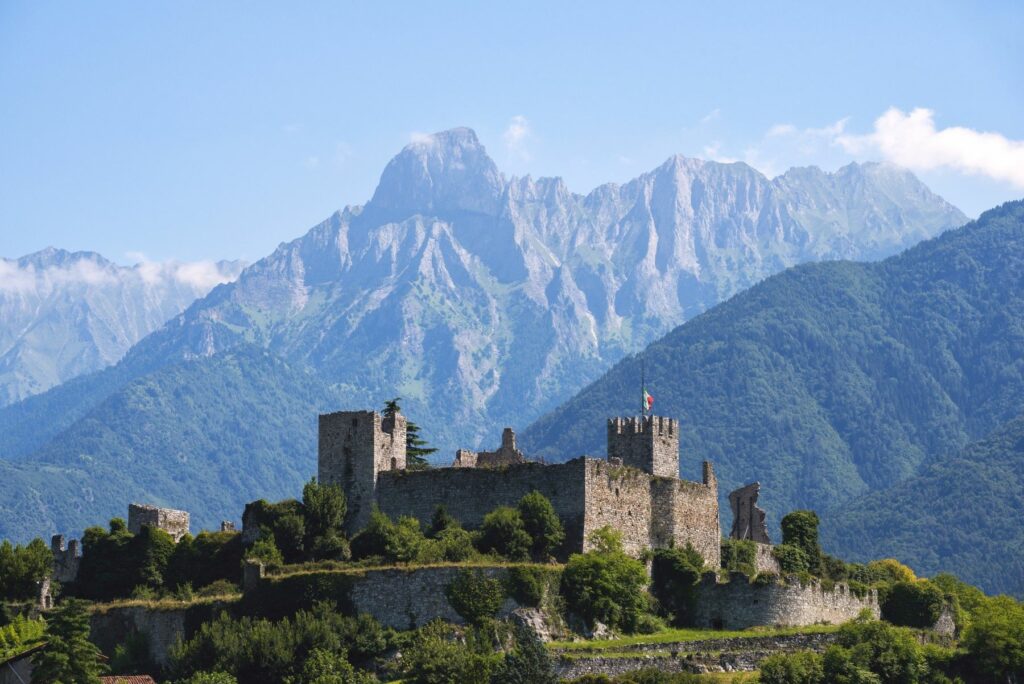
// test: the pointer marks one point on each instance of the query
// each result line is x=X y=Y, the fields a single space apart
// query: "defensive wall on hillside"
x=739 y=603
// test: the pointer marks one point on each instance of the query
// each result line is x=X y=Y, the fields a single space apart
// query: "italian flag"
x=648 y=400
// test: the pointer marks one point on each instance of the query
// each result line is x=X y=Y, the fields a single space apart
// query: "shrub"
x=890 y=652
x=542 y=524
x=455 y=545
x=792 y=668
x=324 y=508
x=441 y=521
x=266 y=551
x=800 y=529
x=739 y=555
x=675 y=576
x=528 y=663
x=913 y=604
x=995 y=638
x=605 y=584
x=21 y=567
x=436 y=656
x=204 y=559
x=400 y=541
x=475 y=596
x=221 y=587
x=792 y=559
x=529 y=585
x=890 y=570
x=209 y=678
x=504 y=533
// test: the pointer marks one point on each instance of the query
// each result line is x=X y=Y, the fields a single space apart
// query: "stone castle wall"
x=171 y=521
x=471 y=493
x=764 y=559
x=407 y=599
x=163 y=628
x=740 y=604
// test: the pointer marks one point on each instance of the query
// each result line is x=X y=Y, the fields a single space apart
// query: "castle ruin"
x=635 y=490
x=171 y=521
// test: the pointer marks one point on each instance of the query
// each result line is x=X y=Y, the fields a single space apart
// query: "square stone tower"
x=649 y=443
x=354 y=446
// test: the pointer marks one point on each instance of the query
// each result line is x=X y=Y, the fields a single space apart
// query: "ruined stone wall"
x=764 y=559
x=471 y=493
x=505 y=455
x=650 y=444
x=407 y=599
x=163 y=628
x=65 y=560
x=739 y=604
x=354 y=447
x=171 y=521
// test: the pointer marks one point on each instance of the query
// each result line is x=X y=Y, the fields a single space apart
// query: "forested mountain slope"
x=963 y=513
x=836 y=379
x=207 y=436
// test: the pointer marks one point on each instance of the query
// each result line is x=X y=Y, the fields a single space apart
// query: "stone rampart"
x=739 y=604
x=407 y=599
x=162 y=629
x=471 y=493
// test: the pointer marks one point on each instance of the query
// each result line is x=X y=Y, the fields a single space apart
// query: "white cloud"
x=201 y=276
x=711 y=116
x=516 y=136
x=418 y=138
x=913 y=141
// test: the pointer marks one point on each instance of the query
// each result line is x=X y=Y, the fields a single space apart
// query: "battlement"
x=171 y=521
x=650 y=443
x=636 y=425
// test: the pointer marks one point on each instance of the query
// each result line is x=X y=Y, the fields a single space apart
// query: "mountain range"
x=853 y=389
x=483 y=301
x=64 y=314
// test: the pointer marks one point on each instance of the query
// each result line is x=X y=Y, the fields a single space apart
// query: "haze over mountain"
x=840 y=379
x=482 y=301
x=63 y=314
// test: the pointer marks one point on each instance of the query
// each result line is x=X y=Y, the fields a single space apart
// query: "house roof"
x=128 y=679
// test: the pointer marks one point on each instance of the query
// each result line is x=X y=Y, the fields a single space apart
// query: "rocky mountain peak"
x=438 y=175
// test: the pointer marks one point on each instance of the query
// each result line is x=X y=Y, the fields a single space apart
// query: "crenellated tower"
x=649 y=443
x=354 y=446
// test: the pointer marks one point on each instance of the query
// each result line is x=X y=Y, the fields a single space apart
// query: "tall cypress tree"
x=416 y=448
x=69 y=656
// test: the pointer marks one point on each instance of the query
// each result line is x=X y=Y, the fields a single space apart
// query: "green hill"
x=836 y=379
x=961 y=514
x=205 y=435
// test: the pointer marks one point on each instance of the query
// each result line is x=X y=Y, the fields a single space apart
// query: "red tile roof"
x=128 y=679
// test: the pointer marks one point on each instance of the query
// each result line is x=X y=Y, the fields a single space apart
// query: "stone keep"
x=171 y=521
x=649 y=443
x=354 y=448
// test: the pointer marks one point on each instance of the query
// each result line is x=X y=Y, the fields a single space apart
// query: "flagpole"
x=643 y=387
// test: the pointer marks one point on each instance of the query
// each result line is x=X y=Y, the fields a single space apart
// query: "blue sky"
x=197 y=130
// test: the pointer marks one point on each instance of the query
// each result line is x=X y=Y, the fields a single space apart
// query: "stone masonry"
x=65 y=560
x=748 y=521
x=354 y=447
x=507 y=454
x=636 y=490
x=171 y=521
x=739 y=603
x=649 y=443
